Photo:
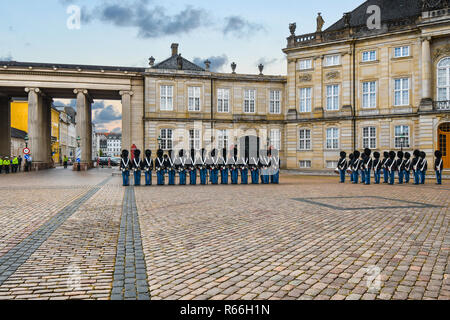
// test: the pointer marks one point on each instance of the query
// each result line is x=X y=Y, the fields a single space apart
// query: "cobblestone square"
x=71 y=235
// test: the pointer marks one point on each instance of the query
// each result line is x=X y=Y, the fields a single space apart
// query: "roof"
x=18 y=134
x=172 y=64
x=390 y=10
x=69 y=66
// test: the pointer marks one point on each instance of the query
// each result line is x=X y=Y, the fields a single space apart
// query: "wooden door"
x=444 y=144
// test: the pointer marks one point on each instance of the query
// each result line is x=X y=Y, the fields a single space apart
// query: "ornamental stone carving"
x=333 y=75
x=441 y=51
x=305 y=77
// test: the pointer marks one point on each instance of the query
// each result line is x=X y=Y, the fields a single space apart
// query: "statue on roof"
x=320 y=23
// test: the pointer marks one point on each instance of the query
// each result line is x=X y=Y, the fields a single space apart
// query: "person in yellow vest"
x=6 y=164
x=15 y=164
x=1 y=165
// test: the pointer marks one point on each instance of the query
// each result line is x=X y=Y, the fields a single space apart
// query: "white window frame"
x=249 y=101
x=305 y=64
x=403 y=91
x=333 y=100
x=223 y=100
x=304 y=139
x=194 y=98
x=332 y=139
x=332 y=60
x=305 y=164
x=331 y=164
x=275 y=139
x=401 y=134
x=275 y=102
x=369 y=136
x=443 y=67
x=223 y=139
x=369 y=95
x=305 y=95
x=401 y=52
x=166 y=98
x=370 y=55
x=166 y=135
x=194 y=139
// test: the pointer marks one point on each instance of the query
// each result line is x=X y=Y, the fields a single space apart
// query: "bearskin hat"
x=376 y=155
x=400 y=154
x=213 y=152
x=423 y=154
x=148 y=153
x=235 y=151
x=224 y=153
x=181 y=153
x=407 y=155
x=356 y=154
x=137 y=153
x=438 y=154
x=367 y=152
x=193 y=153
x=351 y=156
x=159 y=153
x=386 y=154
x=416 y=153
x=125 y=154
x=343 y=154
x=392 y=154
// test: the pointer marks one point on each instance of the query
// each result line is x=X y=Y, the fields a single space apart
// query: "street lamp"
x=26 y=140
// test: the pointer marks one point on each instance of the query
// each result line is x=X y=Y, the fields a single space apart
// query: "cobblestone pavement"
x=69 y=235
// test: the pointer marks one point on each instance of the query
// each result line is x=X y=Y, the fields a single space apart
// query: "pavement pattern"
x=70 y=235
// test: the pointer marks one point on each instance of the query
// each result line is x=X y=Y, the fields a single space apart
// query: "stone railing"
x=442 y=105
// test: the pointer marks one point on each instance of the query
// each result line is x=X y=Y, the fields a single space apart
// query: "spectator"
x=20 y=162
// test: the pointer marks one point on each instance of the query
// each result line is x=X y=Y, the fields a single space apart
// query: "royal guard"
x=383 y=166
x=415 y=166
x=181 y=167
x=192 y=165
x=125 y=166
x=148 y=167
x=235 y=167
x=391 y=165
x=243 y=165
x=362 y=170
x=275 y=162
x=254 y=169
x=137 y=166
x=265 y=167
x=400 y=166
x=438 y=166
x=171 y=168
x=342 y=166
x=356 y=166
x=407 y=167
x=423 y=167
x=223 y=165
x=213 y=167
x=377 y=164
x=351 y=158
x=202 y=166
x=367 y=165
x=160 y=168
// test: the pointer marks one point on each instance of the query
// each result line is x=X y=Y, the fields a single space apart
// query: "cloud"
x=217 y=62
x=106 y=115
x=66 y=103
x=266 y=61
x=117 y=130
x=98 y=105
x=8 y=57
x=151 y=21
x=240 y=27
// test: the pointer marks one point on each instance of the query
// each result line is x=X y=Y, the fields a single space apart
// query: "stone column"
x=126 y=119
x=5 y=126
x=47 y=129
x=84 y=127
x=427 y=102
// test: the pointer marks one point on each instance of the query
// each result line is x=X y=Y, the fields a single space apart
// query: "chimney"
x=174 y=49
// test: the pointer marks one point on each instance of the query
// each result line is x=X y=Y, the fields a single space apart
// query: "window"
x=333 y=97
x=223 y=100
x=249 y=101
x=194 y=139
x=305 y=99
x=275 y=102
x=305 y=139
x=275 y=139
x=194 y=98
x=305 y=163
x=401 y=52
x=401 y=137
x=332 y=60
x=305 y=64
x=369 y=94
x=332 y=164
x=223 y=139
x=401 y=92
x=369 y=56
x=370 y=137
x=166 y=139
x=166 y=98
x=443 y=81
x=332 y=142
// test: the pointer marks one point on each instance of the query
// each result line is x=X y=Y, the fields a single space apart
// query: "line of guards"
x=362 y=164
x=264 y=167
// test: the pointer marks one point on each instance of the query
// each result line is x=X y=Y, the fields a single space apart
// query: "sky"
x=128 y=32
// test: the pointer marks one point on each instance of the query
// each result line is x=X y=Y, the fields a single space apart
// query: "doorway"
x=444 y=143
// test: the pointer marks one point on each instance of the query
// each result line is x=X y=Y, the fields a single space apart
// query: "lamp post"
x=26 y=140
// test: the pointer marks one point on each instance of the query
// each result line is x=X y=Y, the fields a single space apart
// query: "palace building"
x=377 y=78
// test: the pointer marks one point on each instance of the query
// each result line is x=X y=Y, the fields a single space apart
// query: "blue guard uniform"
x=125 y=166
x=415 y=166
x=342 y=166
x=423 y=167
x=265 y=165
x=171 y=168
x=391 y=165
x=376 y=164
x=385 y=169
x=223 y=163
x=235 y=166
x=400 y=166
x=213 y=167
x=275 y=166
x=254 y=169
x=367 y=165
x=351 y=158
x=407 y=167
x=438 y=166
x=203 y=168
x=181 y=167
x=148 y=167
x=356 y=166
x=243 y=164
x=160 y=168
x=191 y=164
x=137 y=167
